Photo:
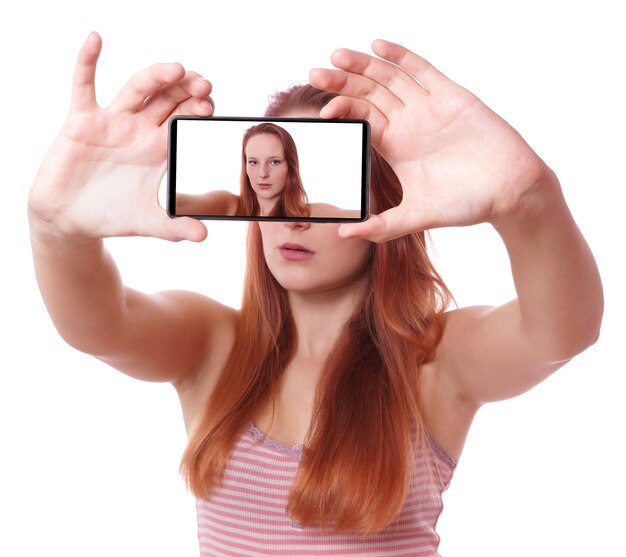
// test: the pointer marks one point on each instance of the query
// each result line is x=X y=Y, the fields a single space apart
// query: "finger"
x=388 y=225
x=193 y=107
x=174 y=229
x=193 y=85
x=395 y=79
x=145 y=84
x=356 y=86
x=425 y=73
x=84 y=88
x=346 y=107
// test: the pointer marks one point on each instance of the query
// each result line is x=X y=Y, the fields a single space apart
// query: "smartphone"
x=283 y=169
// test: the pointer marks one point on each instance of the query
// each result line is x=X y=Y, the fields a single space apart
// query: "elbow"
x=580 y=336
x=586 y=340
x=594 y=323
x=89 y=339
x=92 y=347
x=590 y=311
x=564 y=339
x=580 y=327
x=593 y=334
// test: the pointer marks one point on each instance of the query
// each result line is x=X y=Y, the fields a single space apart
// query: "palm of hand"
x=106 y=167
x=459 y=163
x=119 y=137
x=101 y=176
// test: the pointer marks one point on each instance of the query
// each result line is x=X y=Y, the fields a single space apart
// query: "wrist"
x=540 y=221
x=533 y=205
x=51 y=236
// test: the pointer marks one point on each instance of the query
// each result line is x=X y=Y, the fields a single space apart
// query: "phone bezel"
x=171 y=168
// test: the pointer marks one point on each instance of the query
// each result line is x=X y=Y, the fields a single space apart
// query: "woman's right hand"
x=101 y=176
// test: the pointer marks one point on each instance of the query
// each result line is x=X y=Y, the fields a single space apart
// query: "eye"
x=275 y=162
x=252 y=162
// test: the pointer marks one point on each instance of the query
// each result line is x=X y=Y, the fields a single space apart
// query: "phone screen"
x=268 y=168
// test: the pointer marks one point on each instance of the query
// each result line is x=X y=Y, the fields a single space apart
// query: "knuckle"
x=170 y=96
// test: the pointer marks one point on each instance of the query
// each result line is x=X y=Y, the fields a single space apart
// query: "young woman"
x=327 y=415
x=270 y=183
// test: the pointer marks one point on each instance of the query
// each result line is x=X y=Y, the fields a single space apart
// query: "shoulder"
x=457 y=321
x=458 y=350
x=219 y=329
x=212 y=320
x=200 y=308
x=222 y=195
x=325 y=210
x=447 y=411
x=226 y=197
x=220 y=201
x=200 y=325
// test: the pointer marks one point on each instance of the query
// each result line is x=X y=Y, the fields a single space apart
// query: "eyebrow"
x=270 y=157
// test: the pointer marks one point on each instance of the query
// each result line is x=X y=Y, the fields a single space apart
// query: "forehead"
x=302 y=113
x=266 y=144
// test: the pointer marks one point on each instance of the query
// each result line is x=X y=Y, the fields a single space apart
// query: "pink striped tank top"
x=245 y=514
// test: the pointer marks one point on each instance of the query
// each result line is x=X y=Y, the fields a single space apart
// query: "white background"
x=88 y=457
x=208 y=158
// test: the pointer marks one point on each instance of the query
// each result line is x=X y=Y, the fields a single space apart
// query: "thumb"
x=388 y=225
x=181 y=228
x=374 y=229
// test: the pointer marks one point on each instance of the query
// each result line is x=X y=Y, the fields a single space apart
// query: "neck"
x=320 y=317
x=266 y=206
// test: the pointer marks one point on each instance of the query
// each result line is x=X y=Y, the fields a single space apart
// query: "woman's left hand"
x=459 y=163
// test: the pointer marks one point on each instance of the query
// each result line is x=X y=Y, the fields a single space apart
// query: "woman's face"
x=266 y=166
x=311 y=257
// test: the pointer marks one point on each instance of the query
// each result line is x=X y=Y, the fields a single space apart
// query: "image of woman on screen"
x=270 y=183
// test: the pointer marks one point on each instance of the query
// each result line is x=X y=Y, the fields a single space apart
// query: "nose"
x=298 y=225
x=264 y=171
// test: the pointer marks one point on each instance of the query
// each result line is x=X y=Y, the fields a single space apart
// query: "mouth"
x=264 y=186
x=295 y=252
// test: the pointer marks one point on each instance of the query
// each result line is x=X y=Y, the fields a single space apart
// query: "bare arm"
x=100 y=179
x=155 y=337
x=496 y=353
x=459 y=164
x=325 y=210
x=220 y=202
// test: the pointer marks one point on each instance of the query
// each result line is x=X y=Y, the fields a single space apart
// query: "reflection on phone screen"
x=279 y=169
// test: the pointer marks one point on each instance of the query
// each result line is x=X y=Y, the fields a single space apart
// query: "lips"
x=265 y=186
x=295 y=252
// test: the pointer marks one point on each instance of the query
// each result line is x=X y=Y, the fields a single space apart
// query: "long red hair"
x=359 y=451
x=293 y=200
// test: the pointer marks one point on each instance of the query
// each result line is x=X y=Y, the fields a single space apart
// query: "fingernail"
x=205 y=104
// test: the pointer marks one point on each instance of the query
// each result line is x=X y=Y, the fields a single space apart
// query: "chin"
x=298 y=282
x=305 y=285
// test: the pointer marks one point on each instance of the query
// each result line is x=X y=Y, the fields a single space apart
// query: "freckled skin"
x=266 y=166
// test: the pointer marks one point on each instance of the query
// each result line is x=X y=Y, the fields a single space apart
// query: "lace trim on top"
x=295 y=451
x=442 y=453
